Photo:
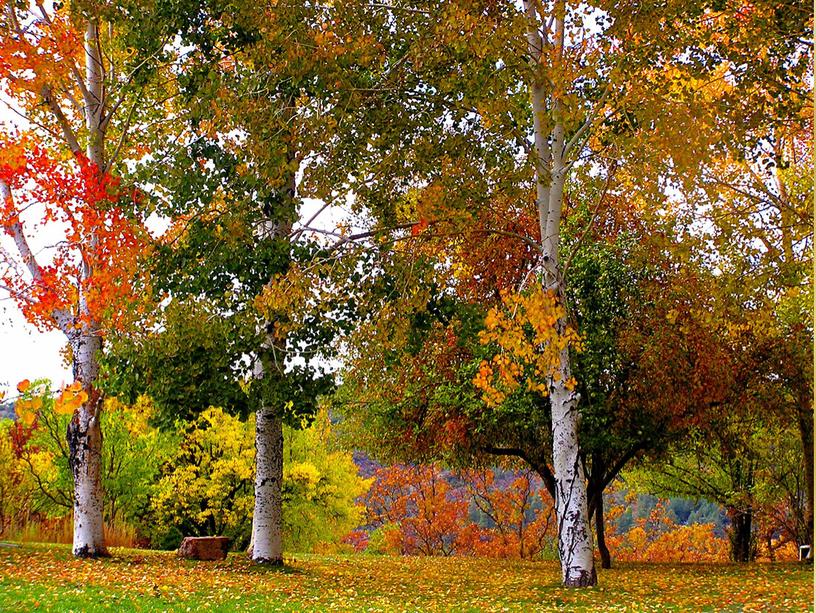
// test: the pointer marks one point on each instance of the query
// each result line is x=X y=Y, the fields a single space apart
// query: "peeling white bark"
x=85 y=445
x=575 y=543
x=267 y=519
x=575 y=547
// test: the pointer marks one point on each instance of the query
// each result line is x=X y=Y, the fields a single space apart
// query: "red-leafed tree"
x=424 y=510
x=63 y=69
x=420 y=502
x=521 y=514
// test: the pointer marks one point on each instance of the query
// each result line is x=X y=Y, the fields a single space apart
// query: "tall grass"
x=60 y=530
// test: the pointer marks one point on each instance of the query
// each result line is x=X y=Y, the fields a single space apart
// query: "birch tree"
x=64 y=73
x=243 y=127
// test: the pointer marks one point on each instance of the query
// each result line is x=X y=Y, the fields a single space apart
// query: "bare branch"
x=28 y=119
x=17 y=294
x=123 y=135
x=62 y=317
x=591 y=117
x=20 y=240
x=67 y=131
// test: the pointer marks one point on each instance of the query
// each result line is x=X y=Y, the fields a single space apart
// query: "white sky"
x=26 y=353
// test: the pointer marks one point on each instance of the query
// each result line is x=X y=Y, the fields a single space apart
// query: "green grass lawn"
x=47 y=578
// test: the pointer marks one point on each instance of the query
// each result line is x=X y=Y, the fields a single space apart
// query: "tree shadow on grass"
x=270 y=569
x=240 y=563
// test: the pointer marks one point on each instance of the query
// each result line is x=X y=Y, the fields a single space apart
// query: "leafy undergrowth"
x=47 y=578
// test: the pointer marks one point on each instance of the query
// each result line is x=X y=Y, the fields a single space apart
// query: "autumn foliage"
x=72 y=197
x=524 y=329
x=657 y=538
x=497 y=513
x=425 y=510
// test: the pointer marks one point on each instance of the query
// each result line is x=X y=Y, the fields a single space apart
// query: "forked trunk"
x=267 y=520
x=85 y=454
x=574 y=534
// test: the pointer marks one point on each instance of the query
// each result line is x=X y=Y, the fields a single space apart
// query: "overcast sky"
x=25 y=352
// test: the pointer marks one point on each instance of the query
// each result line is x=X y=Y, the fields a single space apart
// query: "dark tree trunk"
x=600 y=532
x=742 y=539
x=543 y=471
x=806 y=434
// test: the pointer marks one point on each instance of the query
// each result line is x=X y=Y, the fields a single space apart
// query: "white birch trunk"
x=575 y=543
x=267 y=520
x=85 y=453
x=266 y=545
x=84 y=431
x=95 y=100
x=575 y=547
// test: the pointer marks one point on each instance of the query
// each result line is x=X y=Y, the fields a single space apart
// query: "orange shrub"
x=657 y=538
x=423 y=510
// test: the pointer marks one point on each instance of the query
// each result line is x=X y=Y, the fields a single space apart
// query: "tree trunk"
x=806 y=435
x=267 y=520
x=600 y=533
x=266 y=544
x=574 y=536
x=85 y=453
x=742 y=538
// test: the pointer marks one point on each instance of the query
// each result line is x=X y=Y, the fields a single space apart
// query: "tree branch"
x=67 y=131
x=123 y=135
x=541 y=468
x=592 y=115
x=591 y=222
x=73 y=67
x=62 y=317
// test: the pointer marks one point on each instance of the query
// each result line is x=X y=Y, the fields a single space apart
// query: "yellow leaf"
x=63 y=406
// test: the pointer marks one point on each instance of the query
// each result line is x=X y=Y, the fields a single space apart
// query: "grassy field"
x=47 y=578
